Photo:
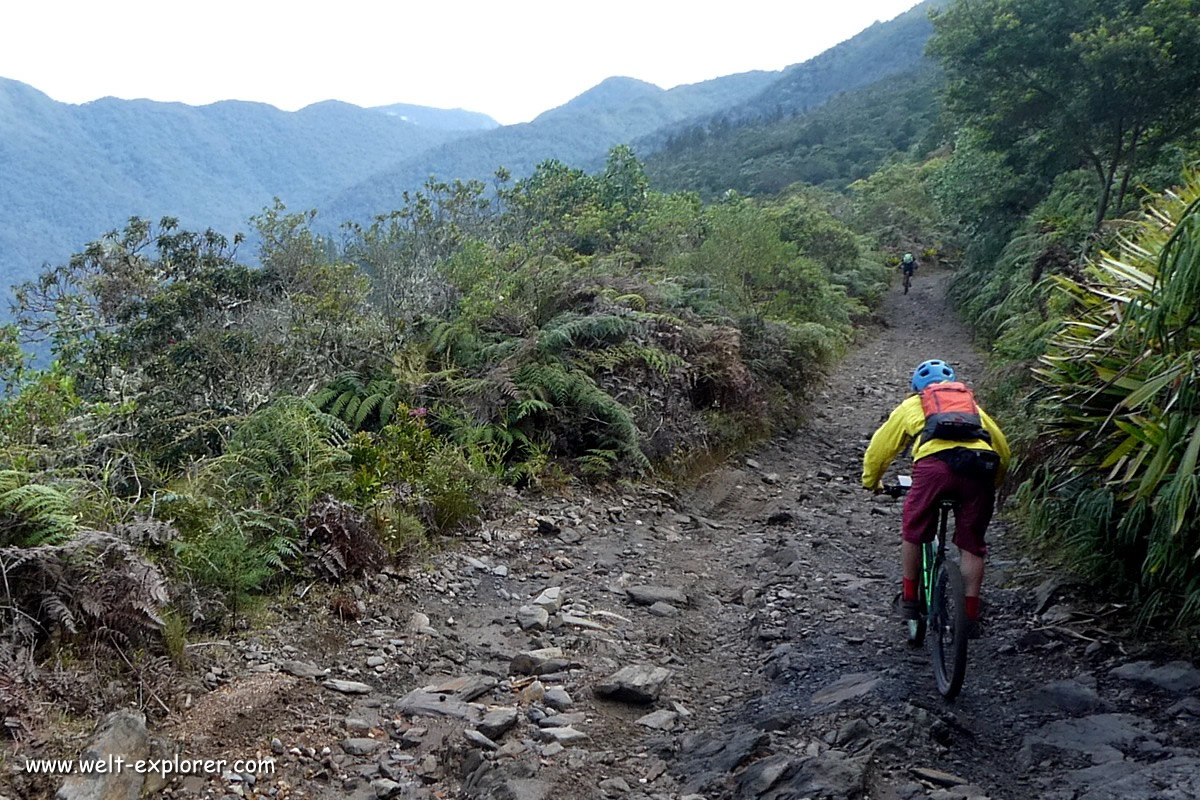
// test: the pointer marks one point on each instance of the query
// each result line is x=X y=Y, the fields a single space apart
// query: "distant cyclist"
x=958 y=451
x=908 y=265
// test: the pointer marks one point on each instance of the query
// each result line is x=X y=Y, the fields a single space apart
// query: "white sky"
x=511 y=59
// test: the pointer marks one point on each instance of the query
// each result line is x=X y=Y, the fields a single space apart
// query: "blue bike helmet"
x=935 y=371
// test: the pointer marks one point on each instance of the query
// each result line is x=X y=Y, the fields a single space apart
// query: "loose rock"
x=558 y=699
x=346 y=687
x=649 y=595
x=361 y=746
x=497 y=722
x=662 y=720
x=123 y=734
x=533 y=618
x=1177 y=676
x=301 y=669
x=639 y=684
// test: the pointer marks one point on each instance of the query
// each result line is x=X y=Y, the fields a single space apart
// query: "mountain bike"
x=941 y=603
x=907 y=280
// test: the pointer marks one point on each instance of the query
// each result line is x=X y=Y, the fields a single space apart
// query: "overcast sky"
x=511 y=59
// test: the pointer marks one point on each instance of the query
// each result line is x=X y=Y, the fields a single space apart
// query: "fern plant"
x=93 y=585
x=283 y=457
x=31 y=513
x=361 y=404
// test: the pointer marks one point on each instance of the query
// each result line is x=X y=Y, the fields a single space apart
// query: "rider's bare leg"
x=910 y=553
x=972 y=570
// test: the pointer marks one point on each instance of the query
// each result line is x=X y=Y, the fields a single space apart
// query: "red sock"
x=972 y=607
x=910 y=589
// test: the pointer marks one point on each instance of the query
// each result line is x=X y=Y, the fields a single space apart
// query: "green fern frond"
x=612 y=358
x=531 y=406
x=31 y=513
x=570 y=330
x=635 y=301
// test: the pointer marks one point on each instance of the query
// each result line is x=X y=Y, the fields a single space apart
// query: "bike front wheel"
x=949 y=625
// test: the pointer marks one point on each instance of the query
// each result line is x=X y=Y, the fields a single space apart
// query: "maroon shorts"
x=933 y=479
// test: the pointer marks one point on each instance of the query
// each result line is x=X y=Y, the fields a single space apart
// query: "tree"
x=1057 y=83
x=168 y=322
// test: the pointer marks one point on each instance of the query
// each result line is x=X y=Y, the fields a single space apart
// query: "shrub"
x=1122 y=404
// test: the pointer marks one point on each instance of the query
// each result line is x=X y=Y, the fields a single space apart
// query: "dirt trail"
x=764 y=593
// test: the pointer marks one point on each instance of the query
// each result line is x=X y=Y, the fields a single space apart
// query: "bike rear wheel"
x=948 y=620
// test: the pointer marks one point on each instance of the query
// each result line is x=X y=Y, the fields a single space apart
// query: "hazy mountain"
x=72 y=172
x=625 y=110
x=845 y=139
x=578 y=132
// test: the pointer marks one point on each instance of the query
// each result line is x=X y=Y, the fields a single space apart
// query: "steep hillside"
x=842 y=141
x=72 y=172
x=885 y=48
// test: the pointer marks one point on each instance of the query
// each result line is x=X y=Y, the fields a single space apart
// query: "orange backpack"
x=951 y=414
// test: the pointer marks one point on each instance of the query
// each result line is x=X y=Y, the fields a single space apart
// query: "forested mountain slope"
x=884 y=49
x=75 y=171
x=842 y=141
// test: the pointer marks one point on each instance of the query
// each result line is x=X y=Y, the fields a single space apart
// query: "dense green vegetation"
x=223 y=429
x=1121 y=413
x=1070 y=116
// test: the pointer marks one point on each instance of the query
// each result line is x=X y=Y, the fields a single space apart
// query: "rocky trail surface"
x=732 y=641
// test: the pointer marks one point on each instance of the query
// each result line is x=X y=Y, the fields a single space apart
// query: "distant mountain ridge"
x=71 y=172
x=847 y=138
x=883 y=49
x=627 y=110
x=579 y=133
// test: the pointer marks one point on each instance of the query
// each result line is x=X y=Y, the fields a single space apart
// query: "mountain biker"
x=908 y=264
x=954 y=454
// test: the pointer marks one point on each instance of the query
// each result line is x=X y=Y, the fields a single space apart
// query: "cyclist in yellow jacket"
x=968 y=467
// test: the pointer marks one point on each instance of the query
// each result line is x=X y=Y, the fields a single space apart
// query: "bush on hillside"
x=1120 y=489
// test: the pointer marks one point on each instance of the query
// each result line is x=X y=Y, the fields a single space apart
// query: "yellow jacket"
x=905 y=424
